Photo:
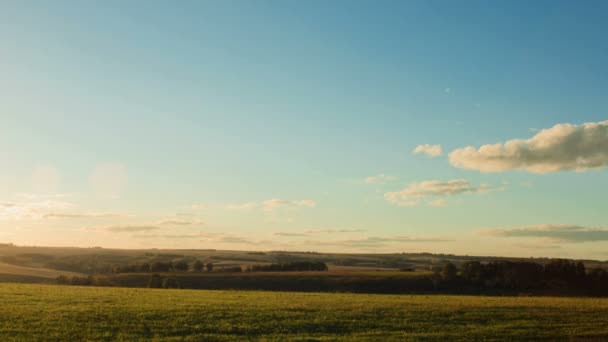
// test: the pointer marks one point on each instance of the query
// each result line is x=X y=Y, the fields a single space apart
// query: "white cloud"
x=54 y=215
x=555 y=232
x=279 y=203
x=415 y=193
x=30 y=210
x=320 y=231
x=379 y=179
x=268 y=205
x=438 y=203
x=130 y=228
x=200 y=207
x=173 y=222
x=373 y=242
x=332 y=231
x=429 y=150
x=561 y=147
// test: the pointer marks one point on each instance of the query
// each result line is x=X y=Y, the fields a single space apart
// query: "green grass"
x=47 y=312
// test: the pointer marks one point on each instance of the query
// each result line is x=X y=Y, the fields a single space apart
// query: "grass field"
x=49 y=312
x=32 y=271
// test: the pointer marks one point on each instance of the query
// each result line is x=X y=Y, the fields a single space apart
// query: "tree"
x=472 y=271
x=170 y=283
x=209 y=267
x=145 y=267
x=180 y=265
x=62 y=279
x=159 y=266
x=580 y=270
x=155 y=282
x=198 y=266
x=449 y=271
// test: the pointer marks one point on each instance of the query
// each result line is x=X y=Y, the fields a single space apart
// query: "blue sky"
x=257 y=125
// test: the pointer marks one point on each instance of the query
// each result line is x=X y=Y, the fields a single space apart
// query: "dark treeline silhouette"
x=289 y=266
x=162 y=266
x=91 y=280
x=557 y=275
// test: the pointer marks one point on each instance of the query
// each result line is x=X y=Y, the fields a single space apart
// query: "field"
x=6 y=269
x=51 y=312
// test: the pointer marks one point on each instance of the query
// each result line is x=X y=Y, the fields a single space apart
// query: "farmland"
x=55 y=312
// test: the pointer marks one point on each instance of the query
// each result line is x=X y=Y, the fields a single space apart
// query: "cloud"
x=559 y=148
x=182 y=236
x=438 y=203
x=172 y=222
x=31 y=210
x=279 y=203
x=130 y=229
x=320 y=231
x=290 y=234
x=200 y=207
x=332 y=231
x=374 y=242
x=556 y=232
x=269 y=205
x=417 y=192
x=32 y=197
x=84 y=215
x=429 y=150
x=379 y=179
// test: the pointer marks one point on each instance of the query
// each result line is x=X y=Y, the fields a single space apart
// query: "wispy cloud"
x=561 y=147
x=555 y=232
x=429 y=150
x=333 y=231
x=374 y=242
x=130 y=228
x=438 y=203
x=417 y=193
x=379 y=179
x=173 y=222
x=279 y=203
x=290 y=234
x=268 y=205
x=30 y=210
x=319 y=231
x=84 y=215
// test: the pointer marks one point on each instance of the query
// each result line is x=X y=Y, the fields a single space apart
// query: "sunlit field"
x=51 y=312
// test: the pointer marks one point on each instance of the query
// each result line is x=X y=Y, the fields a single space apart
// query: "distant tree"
x=155 y=282
x=62 y=279
x=198 y=266
x=449 y=271
x=145 y=267
x=180 y=265
x=159 y=266
x=209 y=267
x=170 y=283
x=472 y=271
x=580 y=270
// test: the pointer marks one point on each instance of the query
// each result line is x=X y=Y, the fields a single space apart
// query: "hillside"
x=52 y=312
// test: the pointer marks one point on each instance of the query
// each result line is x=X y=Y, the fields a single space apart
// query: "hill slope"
x=34 y=312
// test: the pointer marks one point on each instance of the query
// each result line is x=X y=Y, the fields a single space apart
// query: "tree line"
x=558 y=274
x=165 y=266
x=289 y=267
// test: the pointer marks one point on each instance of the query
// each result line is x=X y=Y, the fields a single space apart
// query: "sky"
x=468 y=127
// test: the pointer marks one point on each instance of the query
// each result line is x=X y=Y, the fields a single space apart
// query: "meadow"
x=54 y=312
